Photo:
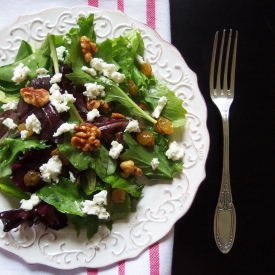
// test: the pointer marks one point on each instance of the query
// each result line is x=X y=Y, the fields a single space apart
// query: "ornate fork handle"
x=225 y=216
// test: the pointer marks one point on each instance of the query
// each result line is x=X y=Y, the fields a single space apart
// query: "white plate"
x=163 y=204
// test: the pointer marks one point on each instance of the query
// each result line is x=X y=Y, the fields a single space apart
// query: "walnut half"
x=86 y=137
x=35 y=97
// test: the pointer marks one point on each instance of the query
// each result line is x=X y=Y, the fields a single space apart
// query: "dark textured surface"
x=252 y=137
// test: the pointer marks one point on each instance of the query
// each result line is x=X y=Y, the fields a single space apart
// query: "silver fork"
x=225 y=216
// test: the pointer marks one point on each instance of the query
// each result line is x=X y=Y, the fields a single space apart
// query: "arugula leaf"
x=10 y=148
x=8 y=187
x=127 y=185
x=90 y=222
x=173 y=109
x=24 y=51
x=142 y=158
x=63 y=196
x=40 y=59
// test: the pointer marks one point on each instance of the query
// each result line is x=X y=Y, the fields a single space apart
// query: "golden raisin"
x=146 y=68
x=164 y=126
x=35 y=97
x=118 y=195
x=146 y=138
x=23 y=127
x=31 y=178
x=132 y=87
x=117 y=115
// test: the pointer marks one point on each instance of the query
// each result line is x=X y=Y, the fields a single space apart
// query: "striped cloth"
x=157 y=259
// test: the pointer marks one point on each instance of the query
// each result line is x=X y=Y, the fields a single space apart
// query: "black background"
x=252 y=141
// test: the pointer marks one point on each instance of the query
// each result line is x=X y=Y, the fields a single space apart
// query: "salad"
x=80 y=121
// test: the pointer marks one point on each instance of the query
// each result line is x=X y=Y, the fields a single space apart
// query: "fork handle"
x=225 y=215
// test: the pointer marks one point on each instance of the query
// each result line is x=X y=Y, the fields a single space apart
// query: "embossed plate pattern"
x=163 y=204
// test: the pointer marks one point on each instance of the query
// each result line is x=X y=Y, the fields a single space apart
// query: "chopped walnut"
x=103 y=106
x=86 y=137
x=35 y=97
x=129 y=168
x=87 y=48
x=117 y=115
x=118 y=195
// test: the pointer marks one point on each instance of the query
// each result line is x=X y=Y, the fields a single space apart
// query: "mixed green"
x=84 y=174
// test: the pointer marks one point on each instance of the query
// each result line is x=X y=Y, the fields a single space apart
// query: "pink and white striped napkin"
x=157 y=259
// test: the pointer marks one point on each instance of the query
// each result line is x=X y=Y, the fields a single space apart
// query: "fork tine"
x=225 y=86
x=233 y=67
x=211 y=81
x=218 y=86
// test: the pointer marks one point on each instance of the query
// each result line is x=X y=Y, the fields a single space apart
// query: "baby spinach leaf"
x=79 y=159
x=103 y=164
x=63 y=196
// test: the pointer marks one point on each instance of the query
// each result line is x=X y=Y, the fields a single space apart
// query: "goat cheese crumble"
x=60 y=101
x=20 y=73
x=132 y=126
x=60 y=53
x=65 y=127
x=29 y=204
x=115 y=149
x=174 y=152
x=24 y=134
x=42 y=72
x=161 y=103
x=32 y=123
x=56 y=78
x=154 y=163
x=108 y=70
x=91 y=115
x=51 y=170
x=90 y=71
x=9 y=123
x=96 y=206
x=11 y=105
x=93 y=90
